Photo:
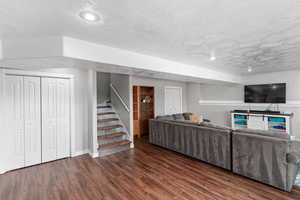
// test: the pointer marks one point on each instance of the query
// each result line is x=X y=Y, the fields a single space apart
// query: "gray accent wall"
x=159 y=91
x=219 y=114
x=224 y=98
x=103 y=87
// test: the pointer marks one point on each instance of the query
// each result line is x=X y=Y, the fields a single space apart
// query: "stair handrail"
x=120 y=98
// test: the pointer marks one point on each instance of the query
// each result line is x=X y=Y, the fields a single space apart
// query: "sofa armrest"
x=293 y=158
x=295 y=146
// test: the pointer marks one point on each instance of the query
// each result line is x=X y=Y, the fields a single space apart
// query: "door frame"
x=72 y=97
x=172 y=87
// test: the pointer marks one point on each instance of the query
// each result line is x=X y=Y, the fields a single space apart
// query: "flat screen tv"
x=267 y=93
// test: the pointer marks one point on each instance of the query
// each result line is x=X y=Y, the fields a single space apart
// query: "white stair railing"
x=120 y=98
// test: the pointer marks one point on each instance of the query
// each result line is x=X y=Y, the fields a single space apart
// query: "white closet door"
x=173 y=100
x=15 y=143
x=49 y=121
x=63 y=118
x=55 y=119
x=32 y=117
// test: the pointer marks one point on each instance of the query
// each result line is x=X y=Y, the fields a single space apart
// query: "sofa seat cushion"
x=264 y=133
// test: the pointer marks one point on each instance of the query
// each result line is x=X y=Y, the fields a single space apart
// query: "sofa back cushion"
x=178 y=116
x=165 y=117
x=211 y=125
x=187 y=115
x=264 y=133
x=184 y=122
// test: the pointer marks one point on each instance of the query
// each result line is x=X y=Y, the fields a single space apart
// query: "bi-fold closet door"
x=38 y=118
x=55 y=119
x=23 y=136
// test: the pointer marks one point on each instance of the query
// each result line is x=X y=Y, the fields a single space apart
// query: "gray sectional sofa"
x=269 y=157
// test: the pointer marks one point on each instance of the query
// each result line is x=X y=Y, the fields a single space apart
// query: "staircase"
x=112 y=135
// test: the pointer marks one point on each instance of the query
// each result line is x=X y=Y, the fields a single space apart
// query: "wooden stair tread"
x=113 y=145
x=105 y=128
x=103 y=106
x=109 y=136
x=106 y=113
x=107 y=120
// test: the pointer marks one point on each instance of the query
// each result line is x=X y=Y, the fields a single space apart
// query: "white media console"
x=262 y=121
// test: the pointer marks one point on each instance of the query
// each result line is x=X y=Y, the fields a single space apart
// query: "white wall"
x=2 y=125
x=103 y=87
x=92 y=113
x=216 y=101
x=159 y=91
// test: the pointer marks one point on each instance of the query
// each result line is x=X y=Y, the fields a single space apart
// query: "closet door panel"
x=32 y=114
x=14 y=95
x=63 y=118
x=49 y=119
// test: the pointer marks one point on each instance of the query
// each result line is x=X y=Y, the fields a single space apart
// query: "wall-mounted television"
x=267 y=93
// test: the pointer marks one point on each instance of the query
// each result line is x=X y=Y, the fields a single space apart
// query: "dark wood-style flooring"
x=146 y=172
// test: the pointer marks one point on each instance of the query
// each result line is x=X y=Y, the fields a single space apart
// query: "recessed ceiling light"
x=249 y=69
x=90 y=16
x=212 y=56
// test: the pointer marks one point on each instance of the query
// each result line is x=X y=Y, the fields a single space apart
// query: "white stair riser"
x=111 y=140
x=110 y=131
x=114 y=150
x=103 y=124
x=107 y=116
x=102 y=110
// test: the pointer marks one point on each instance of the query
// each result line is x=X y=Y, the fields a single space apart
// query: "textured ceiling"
x=263 y=34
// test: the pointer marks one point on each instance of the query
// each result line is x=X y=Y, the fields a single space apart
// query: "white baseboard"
x=79 y=153
x=131 y=145
x=94 y=155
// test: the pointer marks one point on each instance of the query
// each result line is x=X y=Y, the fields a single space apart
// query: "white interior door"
x=32 y=123
x=55 y=119
x=173 y=100
x=15 y=135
